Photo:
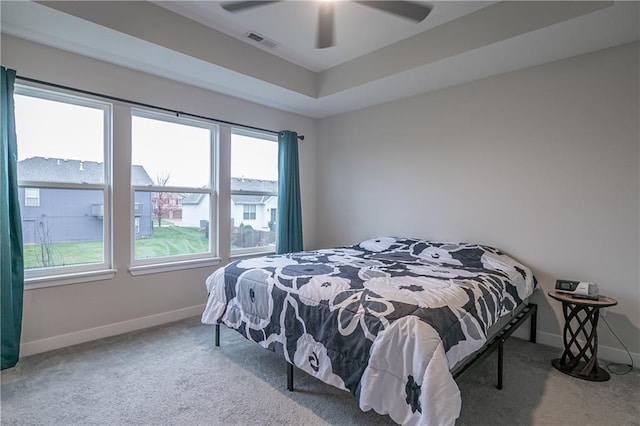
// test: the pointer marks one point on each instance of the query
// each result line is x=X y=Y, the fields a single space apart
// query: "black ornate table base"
x=580 y=357
x=597 y=374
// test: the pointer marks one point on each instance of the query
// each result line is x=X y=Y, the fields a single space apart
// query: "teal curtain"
x=289 y=205
x=11 y=260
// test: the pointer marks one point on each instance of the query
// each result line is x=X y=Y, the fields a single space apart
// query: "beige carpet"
x=173 y=375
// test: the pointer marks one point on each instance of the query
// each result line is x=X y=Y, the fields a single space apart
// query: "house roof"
x=192 y=199
x=41 y=169
x=258 y=185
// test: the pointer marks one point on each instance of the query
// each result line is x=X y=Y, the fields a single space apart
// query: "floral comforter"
x=386 y=319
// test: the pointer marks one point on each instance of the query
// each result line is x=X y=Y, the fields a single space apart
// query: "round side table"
x=580 y=359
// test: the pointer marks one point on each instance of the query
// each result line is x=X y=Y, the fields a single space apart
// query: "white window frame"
x=32 y=197
x=252 y=250
x=168 y=263
x=59 y=275
x=246 y=211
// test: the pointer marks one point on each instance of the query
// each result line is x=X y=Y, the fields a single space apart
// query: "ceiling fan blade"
x=325 y=26
x=406 y=9
x=238 y=6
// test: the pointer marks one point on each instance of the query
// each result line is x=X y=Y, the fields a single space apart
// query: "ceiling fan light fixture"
x=413 y=11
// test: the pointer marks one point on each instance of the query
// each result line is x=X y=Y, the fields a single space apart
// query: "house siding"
x=263 y=213
x=144 y=213
x=64 y=214
x=193 y=213
x=67 y=215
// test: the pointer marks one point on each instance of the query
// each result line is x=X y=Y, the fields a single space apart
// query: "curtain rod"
x=141 y=104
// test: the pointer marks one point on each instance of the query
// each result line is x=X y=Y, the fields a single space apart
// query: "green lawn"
x=165 y=241
x=64 y=254
x=171 y=241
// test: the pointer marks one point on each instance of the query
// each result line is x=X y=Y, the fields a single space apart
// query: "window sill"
x=157 y=268
x=73 y=278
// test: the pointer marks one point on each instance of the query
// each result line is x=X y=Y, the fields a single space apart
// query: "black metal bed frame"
x=496 y=342
x=498 y=339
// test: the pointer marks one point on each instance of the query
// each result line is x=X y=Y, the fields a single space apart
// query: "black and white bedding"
x=386 y=319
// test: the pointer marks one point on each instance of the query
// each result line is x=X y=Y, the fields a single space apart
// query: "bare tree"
x=161 y=200
x=46 y=244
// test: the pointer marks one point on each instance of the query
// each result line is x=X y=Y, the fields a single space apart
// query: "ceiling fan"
x=406 y=9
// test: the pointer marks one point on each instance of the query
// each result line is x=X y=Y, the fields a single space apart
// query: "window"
x=64 y=179
x=249 y=212
x=172 y=179
x=32 y=197
x=254 y=192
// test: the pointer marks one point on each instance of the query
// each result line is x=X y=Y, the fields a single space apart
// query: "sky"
x=75 y=132
x=62 y=130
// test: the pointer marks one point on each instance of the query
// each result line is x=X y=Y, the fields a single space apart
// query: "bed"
x=391 y=320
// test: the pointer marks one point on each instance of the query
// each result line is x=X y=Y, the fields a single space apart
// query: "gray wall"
x=64 y=315
x=542 y=162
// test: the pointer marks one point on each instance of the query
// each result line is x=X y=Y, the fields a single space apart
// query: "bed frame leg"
x=500 y=363
x=217 y=334
x=289 y=376
x=534 y=324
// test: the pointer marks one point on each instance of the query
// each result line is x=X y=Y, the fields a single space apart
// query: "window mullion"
x=267 y=194
x=62 y=185
x=172 y=189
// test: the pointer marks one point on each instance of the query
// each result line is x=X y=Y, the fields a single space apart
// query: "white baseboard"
x=69 y=339
x=605 y=353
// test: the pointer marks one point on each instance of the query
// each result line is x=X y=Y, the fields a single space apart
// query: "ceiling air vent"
x=260 y=39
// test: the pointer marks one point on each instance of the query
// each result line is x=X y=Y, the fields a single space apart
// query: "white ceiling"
x=378 y=57
x=292 y=25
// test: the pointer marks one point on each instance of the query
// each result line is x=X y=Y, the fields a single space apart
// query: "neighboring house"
x=195 y=211
x=258 y=211
x=167 y=205
x=72 y=214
